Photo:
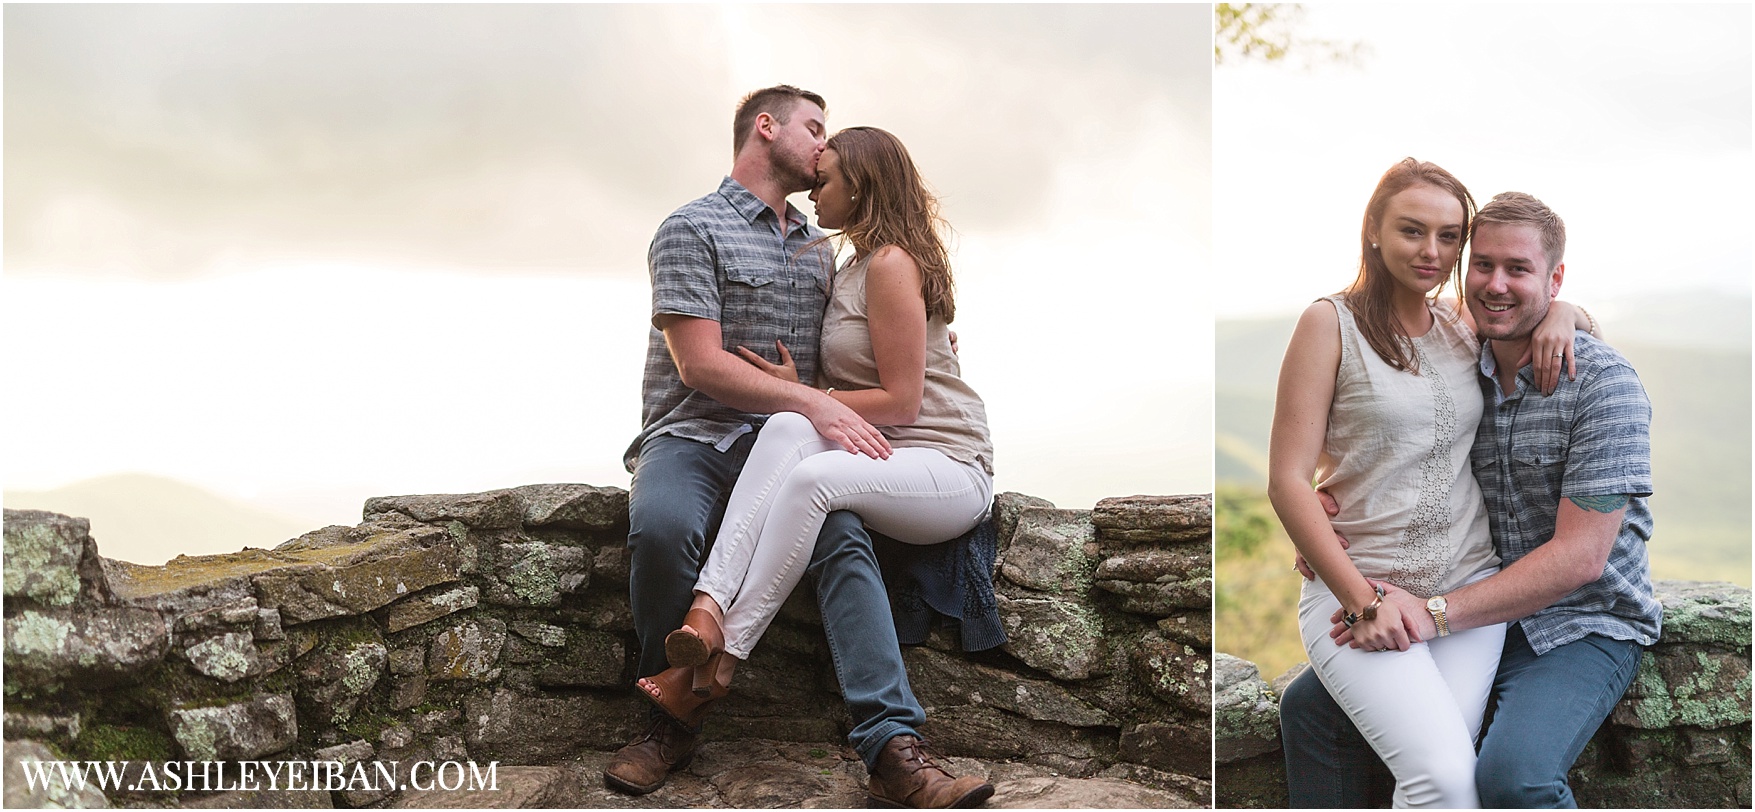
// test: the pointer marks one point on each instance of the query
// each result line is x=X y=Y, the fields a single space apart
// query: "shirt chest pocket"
x=752 y=296
x=1537 y=470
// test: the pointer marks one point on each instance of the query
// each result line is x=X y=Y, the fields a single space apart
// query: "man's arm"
x=697 y=348
x=1584 y=533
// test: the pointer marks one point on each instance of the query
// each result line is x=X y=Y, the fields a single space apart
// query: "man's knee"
x=1307 y=709
x=665 y=528
x=1508 y=780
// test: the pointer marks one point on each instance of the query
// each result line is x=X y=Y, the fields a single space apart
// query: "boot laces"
x=920 y=752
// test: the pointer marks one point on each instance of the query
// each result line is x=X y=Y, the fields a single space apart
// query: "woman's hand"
x=1382 y=633
x=786 y=370
x=1551 y=347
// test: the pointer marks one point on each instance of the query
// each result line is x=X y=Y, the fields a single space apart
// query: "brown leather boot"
x=907 y=776
x=647 y=761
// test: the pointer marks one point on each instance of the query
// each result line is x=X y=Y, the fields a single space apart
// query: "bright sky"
x=1631 y=121
x=311 y=254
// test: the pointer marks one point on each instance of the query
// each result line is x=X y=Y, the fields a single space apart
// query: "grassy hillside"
x=150 y=519
x=1255 y=592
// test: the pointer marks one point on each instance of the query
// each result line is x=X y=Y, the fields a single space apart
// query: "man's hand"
x=786 y=370
x=1333 y=509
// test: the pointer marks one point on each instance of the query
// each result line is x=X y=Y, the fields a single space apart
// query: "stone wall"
x=1679 y=738
x=495 y=627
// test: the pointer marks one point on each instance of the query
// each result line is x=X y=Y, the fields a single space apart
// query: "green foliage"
x=1265 y=32
x=1252 y=30
x=1255 y=593
x=1242 y=519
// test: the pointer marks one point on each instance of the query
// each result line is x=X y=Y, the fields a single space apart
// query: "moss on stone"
x=1697 y=700
x=533 y=577
x=104 y=742
x=30 y=570
x=368 y=725
x=199 y=739
x=37 y=634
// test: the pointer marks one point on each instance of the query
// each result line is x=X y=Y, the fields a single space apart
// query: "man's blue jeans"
x=674 y=507
x=1547 y=709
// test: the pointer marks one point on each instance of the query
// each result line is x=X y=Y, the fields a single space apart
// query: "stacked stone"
x=355 y=644
x=495 y=627
x=1107 y=612
x=1679 y=738
x=66 y=640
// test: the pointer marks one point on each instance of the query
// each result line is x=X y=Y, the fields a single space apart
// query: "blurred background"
x=264 y=262
x=1631 y=121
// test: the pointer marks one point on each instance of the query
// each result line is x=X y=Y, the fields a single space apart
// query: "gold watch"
x=1436 y=606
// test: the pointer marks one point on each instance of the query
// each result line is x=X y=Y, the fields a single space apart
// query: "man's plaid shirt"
x=1592 y=437
x=723 y=257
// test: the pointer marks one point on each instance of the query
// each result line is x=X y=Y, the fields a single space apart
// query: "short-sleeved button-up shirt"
x=729 y=258
x=1592 y=437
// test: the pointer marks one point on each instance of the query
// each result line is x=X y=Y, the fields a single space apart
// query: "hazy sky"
x=310 y=254
x=1631 y=121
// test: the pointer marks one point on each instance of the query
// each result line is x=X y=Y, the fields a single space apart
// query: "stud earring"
x=1374 y=246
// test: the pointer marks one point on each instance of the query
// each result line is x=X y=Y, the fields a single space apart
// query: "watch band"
x=1437 y=607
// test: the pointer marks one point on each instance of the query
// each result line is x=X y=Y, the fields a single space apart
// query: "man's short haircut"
x=1519 y=209
x=777 y=101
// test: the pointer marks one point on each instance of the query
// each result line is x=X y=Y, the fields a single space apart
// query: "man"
x=741 y=267
x=1565 y=479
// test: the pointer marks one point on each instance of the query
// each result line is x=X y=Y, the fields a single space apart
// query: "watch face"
x=1436 y=604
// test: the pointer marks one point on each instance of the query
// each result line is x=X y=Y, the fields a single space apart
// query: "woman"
x=886 y=353
x=1378 y=402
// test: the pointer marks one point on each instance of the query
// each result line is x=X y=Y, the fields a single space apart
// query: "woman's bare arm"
x=1301 y=407
x=895 y=311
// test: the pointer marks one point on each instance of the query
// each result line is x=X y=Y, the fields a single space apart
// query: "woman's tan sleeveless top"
x=952 y=417
x=1396 y=458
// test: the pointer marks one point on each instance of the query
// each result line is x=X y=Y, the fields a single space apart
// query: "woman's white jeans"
x=1421 y=709
x=793 y=479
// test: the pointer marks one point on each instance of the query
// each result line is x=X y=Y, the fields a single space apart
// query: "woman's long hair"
x=1373 y=290
x=892 y=206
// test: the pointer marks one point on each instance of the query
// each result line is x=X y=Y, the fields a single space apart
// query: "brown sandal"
x=695 y=646
x=677 y=697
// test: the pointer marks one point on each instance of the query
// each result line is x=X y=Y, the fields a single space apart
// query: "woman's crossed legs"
x=793 y=479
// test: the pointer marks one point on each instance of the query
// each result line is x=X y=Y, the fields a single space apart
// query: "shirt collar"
x=745 y=203
x=1490 y=370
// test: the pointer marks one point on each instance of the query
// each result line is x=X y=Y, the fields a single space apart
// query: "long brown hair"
x=892 y=206
x=1373 y=290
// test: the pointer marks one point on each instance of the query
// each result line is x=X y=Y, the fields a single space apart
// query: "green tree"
x=1267 y=32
